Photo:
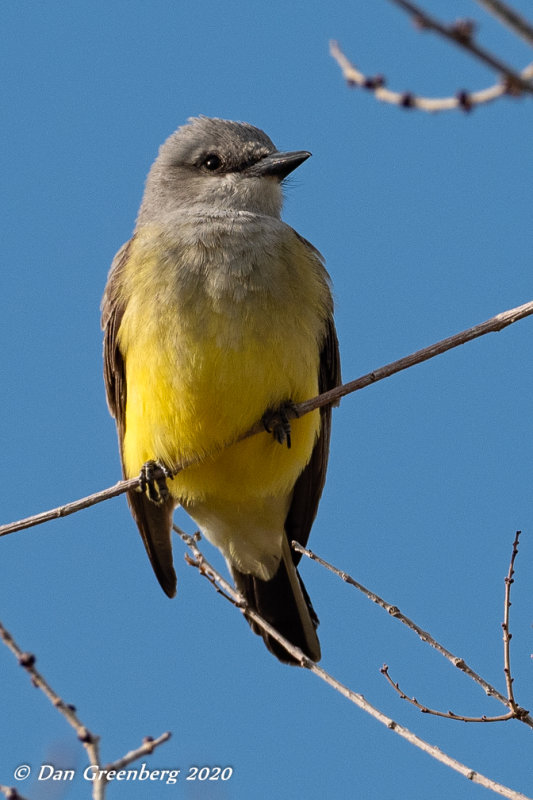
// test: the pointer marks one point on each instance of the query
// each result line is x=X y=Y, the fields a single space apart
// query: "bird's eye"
x=212 y=162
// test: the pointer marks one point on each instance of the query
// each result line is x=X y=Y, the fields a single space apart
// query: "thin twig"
x=89 y=740
x=509 y=17
x=461 y=34
x=146 y=749
x=516 y=711
x=491 y=325
x=395 y=612
x=462 y=101
x=234 y=597
x=446 y=714
x=509 y=580
x=71 y=508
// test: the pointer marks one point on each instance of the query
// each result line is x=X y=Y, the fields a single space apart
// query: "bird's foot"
x=153 y=478
x=278 y=422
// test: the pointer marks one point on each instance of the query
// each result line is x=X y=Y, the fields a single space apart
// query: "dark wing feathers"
x=112 y=312
x=309 y=485
x=154 y=522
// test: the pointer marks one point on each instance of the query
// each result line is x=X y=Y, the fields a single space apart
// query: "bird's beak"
x=278 y=164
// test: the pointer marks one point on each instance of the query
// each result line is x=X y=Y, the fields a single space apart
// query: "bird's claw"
x=153 y=477
x=278 y=422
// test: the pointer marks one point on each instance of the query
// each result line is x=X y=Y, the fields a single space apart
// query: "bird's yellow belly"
x=189 y=395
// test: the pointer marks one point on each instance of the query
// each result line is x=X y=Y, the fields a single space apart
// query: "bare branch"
x=516 y=712
x=462 y=101
x=89 y=740
x=206 y=569
x=146 y=749
x=509 y=17
x=461 y=33
x=395 y=612
x=446 y=714
x=506 y=634
x=71 y=508
x=491 y=325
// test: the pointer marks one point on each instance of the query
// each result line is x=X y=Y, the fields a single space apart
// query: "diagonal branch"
x=89 y=740
x=217 y=581
x=146 y=749
x=491 y=325
x=461 y=34
x=509 y=17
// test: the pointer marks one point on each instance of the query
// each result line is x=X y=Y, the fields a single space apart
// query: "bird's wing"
x=154 y=521
x=310 y=483
x=308 y=487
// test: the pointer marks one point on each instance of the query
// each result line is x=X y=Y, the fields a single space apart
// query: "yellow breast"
x=204 y=361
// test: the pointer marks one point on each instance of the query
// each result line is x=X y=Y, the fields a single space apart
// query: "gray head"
x=216 y=165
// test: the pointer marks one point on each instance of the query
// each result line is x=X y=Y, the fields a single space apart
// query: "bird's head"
x=217 y=165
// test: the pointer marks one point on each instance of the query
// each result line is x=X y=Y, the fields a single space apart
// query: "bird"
x=217 y=314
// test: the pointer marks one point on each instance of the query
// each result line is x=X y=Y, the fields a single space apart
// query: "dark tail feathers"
x=284 y=603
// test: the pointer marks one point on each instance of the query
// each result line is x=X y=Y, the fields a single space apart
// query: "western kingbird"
x=216 y=315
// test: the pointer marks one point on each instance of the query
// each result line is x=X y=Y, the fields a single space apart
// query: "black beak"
x=278 y=164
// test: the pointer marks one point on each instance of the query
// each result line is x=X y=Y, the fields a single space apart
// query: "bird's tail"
x=284 y=603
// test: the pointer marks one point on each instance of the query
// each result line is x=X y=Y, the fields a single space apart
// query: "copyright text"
x=47 y=772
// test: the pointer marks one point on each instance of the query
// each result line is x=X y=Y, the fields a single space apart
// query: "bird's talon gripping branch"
x=153 y=478
x=278 y=422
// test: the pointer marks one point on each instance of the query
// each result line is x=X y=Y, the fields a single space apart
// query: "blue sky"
x=425 y=223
